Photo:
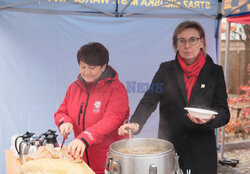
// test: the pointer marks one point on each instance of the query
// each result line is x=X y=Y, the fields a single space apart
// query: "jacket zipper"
x=83 y=119
x=83 y=125
x=79 y=115
x=87 y=157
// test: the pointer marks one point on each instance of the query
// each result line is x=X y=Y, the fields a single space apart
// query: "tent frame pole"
x=226 y=66
x=128 y=4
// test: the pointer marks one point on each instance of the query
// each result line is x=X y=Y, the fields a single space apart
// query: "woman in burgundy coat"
x=95 y=106
x=191 y=80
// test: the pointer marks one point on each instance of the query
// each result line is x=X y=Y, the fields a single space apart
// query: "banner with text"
x=149 y=7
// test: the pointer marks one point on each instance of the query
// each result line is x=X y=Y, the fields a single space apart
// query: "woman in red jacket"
x=95 y=105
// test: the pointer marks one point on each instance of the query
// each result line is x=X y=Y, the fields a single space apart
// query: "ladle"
x=130 y=134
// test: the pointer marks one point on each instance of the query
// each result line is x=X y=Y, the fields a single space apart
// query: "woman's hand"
x=76 y=148
x=66 y=129
x=200 y=120
x=123 y=130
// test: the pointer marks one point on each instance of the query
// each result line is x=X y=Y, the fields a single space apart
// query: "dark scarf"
x=191 y=72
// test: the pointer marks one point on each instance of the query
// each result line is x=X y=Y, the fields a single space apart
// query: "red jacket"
x=96 y=115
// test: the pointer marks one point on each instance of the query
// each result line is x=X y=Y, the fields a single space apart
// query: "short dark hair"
x=189 y=24
x=94 y=54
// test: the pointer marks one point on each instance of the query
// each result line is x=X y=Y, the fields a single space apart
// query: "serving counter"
x=13 y=164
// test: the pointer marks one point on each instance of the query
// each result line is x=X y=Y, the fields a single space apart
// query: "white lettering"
x=61 y=119
x=89 y=135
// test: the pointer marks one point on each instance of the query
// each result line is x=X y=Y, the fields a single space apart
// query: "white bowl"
x=200 y=113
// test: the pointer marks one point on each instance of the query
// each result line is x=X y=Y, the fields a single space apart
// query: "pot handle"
x=107 y=166
x=111 y=167
x=22 y=151
x=177 y=166
x=116 y=168
x=17 y=149
x=153 y=169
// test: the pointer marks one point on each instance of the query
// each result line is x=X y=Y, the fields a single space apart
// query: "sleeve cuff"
x=85 y=142
x=63 y=119
x=60 y=123
x=86 y=137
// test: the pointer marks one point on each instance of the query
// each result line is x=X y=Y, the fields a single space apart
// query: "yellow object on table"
x=53 y=166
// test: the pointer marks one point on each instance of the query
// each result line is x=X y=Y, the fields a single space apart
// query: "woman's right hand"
x=66 y=129
x=123 y=130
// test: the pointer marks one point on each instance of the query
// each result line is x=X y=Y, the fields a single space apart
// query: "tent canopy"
x=236 y=8
x=119 y=8
x=244 y=19
x=116 y=8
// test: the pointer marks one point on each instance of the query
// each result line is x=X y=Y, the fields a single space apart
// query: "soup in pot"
x=142 y=150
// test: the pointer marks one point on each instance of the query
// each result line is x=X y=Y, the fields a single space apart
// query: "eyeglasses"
x=191 y=41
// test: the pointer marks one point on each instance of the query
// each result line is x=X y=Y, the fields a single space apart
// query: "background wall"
x=239 y=65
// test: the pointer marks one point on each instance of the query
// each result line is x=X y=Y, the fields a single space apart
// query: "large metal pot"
x=163 y=162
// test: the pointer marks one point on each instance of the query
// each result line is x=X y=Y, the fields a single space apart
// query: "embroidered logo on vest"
x=97 y=106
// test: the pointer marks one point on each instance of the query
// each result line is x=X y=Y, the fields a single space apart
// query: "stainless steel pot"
x=165 y=162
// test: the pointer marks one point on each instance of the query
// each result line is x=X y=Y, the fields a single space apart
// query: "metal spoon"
x=130 y=138
x=129 y=133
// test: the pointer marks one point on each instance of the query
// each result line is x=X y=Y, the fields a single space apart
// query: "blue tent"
x=40 y=38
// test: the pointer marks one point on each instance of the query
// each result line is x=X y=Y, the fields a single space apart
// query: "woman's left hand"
x=200 y=120
x=76 y=148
